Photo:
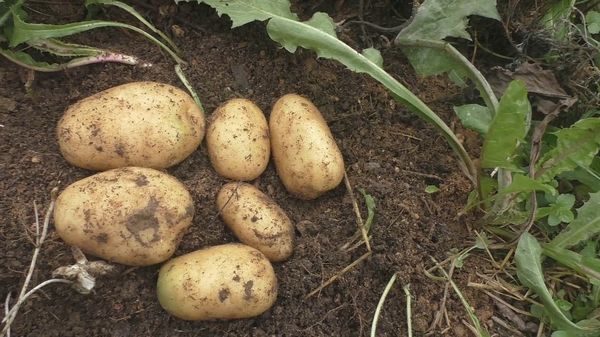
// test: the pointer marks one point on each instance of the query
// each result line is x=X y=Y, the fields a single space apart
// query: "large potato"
x=221 y=282
x=256 y=220
x=142 y=124
x=134 y=216
x=237 y=140
x=306 y=156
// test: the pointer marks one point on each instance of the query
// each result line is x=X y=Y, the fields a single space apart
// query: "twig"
x=24 y=294
x=359 y=219
x=426 y=175
x=6 y=310
x=336 y=276
x=408 y=309
x=387 y=289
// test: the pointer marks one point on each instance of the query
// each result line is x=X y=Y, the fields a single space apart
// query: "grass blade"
x=387 y=289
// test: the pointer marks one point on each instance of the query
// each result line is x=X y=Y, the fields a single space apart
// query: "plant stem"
x=408 y=309
x=387 y=289
x=475 y=75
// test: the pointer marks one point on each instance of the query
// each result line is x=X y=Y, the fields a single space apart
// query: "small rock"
x=36 y=159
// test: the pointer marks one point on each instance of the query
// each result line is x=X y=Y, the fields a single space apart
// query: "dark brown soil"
x=388 y=151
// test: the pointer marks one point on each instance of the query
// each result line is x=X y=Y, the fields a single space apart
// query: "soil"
x=388 y=152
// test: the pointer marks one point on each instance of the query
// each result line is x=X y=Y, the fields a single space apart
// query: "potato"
x=133 y=216
x=256 y=220
x=307 y=159
x=142 y=124
x=237 y=140
x=221 y=282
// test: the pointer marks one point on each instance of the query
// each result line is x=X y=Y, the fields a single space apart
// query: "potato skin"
x=221 y=282
x=237 y=139
x=256 y=220
x=145 y=124
x=307 y=159
x=133 y=216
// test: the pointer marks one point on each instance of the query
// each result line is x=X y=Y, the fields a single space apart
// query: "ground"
x=388 y=152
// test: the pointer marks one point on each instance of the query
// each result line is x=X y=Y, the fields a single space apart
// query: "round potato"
x=133 y=216
x=256 y=220
x=307 y=159
x=143 y=124
x=222 y=282
x=237 y=139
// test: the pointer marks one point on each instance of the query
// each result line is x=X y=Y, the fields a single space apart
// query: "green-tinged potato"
x=256 y=220
x=143 y=124
x=237 y=140
x=307 y=159
x=133 y=216
x=221 y=282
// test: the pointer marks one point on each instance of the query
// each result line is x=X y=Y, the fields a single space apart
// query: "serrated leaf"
x=589 y=176
x=576 y=146
x=528 y=258
x=283 y=28
x=243 y=12
x=586 y=225
x=508 y=128
x=437 y=20
x=475 y=117
x=557 y=19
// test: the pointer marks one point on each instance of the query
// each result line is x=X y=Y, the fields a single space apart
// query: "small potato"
x=256 y=220
x=143 y=124
x=133 y=216
x=237 y=140
x=222 y=282
x=306 y=156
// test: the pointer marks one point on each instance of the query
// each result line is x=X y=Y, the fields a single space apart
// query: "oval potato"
x=222 y=282
x=256 y=220
x=237 y=140
x=307 y=159
x=143 y=124
x=133 y=216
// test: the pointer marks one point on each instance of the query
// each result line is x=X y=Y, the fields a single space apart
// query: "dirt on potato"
x=388 y=152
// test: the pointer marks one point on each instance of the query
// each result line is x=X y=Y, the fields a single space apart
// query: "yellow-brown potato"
x=143 y=124
x=222 y=282
x=133 y=216
x=307 y=159
x=256 y=220
x=237 y=139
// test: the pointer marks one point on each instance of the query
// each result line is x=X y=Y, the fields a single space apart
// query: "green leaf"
x=25 y=32
x=524 y=184
x=243 y=12
x=374 y=56
x=437 y=20
x=508 y=128
x=528 y=258
x=586 y=225
x=475 y=117
x=575 y=147
x=318 y=34
x=560 y=210
x=431 y=189
x=589 y=176
x=584 y=265
x=592 y=18
x=557 y=19
x=6 y=7
x=370 y=202
x=60 y=48
x=137 y=15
